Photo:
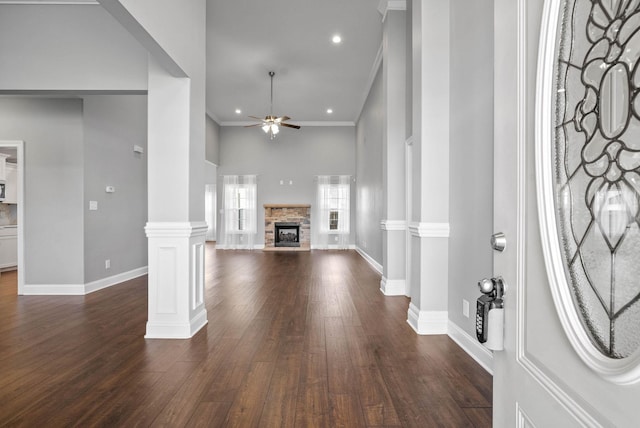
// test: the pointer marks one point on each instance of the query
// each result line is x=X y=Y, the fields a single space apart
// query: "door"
x=539 y=379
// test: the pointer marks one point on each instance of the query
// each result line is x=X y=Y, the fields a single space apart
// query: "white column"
x=429 y=224
x=176 y=242
x=394 y=225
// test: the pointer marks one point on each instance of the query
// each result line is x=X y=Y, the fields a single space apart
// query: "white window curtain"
x=334 y=213
x=240 y=213
x=210 y=211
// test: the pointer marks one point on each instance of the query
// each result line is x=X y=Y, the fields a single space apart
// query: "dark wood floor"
x=294 y=339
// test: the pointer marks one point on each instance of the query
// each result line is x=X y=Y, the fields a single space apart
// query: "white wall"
x=53 y=159
x=296 y=155
x=369 y=180
x=471 y=155
x=68 y=47
x=112 y=126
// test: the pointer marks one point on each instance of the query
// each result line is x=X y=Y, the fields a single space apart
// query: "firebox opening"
x=287 y=235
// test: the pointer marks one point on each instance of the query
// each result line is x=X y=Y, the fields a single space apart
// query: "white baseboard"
x=115 y=279
x=427 y=322
x=53 y=290
x=392 y=287
x=471 y=346
x=377 y=266
x=81 y=289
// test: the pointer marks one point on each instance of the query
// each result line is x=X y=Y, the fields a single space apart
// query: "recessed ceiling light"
x=238 y=111
x=329 y=111
x=336 y=39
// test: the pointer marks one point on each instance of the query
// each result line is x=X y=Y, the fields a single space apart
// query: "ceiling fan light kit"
x=271 y=124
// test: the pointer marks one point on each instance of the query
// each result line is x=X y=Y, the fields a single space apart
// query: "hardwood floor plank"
x=209 y=414
x=298 y=339
x=247 y=408
x=280 y=404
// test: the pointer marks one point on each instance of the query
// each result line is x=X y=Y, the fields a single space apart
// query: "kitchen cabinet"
x=11 y=186
x=8 y=247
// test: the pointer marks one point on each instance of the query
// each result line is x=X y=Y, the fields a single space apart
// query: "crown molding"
x=310 y=123
x=386 y=5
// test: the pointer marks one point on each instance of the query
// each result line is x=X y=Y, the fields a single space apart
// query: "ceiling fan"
x=271 y=124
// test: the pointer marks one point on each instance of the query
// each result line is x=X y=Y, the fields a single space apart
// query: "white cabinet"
x=11 y=186
x=8 y=247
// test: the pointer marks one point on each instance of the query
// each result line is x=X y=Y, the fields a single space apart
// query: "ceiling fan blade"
x=288 y=125
x=256 y=118
x=255 y=124
x=282 y=119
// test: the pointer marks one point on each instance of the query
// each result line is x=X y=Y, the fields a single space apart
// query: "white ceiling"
x=248 y=38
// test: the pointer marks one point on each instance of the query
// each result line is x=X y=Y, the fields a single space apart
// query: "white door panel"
x=539 y=380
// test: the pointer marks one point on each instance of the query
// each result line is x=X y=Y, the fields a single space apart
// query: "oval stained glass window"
x=589 y=126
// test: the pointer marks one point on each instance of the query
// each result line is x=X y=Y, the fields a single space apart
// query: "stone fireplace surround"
x=287 y=213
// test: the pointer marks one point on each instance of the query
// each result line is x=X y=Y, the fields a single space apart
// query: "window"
x=333 y=210
x=240 y=214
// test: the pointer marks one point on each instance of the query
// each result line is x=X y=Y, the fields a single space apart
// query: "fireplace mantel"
x=287 y=213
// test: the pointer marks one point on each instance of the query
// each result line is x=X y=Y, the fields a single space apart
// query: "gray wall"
x=53 y=226
x=112 y=126
x=294 y=155
x=68 y=47
x=369 y=201
x=471 y=155
x=212 y=141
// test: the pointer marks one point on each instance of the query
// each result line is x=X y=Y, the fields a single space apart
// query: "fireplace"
x=287 y=234
x=293 y=232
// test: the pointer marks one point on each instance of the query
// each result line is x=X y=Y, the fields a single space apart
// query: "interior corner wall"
x=53 y=161
x=369 y=179
x=471 y=155
x=212 y=147
x=68 y=48
x=113 y=124
x=294 y=156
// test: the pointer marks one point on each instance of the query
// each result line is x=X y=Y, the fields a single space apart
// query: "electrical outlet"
x=93 y=205
x=465 y=308
x=107 y=264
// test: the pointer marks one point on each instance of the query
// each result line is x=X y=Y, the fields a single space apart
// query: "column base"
x=176 y=279
x=177 y=330
x=428 y=322
x=393 y=287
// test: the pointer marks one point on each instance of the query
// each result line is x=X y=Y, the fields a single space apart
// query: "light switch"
x=93 y=205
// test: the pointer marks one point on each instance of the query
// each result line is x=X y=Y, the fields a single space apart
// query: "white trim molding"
x=471 y=346
x=114 y=279
x=82 y=289
x=429 y=230
x=377 y=266
x=427 y=322
x=393 y=225
x=177 y=229
x=53 y=290
x=393 y=287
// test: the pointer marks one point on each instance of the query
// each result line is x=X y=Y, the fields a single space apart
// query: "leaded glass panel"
x=596 y=167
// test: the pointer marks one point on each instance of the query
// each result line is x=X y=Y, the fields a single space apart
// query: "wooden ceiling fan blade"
x=256 y=118
x=288 y=125
x=282 y=119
